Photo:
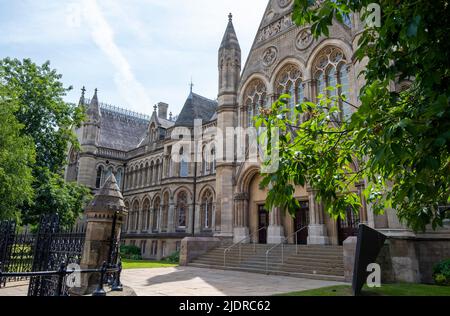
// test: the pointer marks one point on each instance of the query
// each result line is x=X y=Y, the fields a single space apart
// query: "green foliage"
x=173 y=258
x=130 y=252
x=399 y=141
x=48 y=121
x=46 y=117
x=441 y=273
x=16 y=157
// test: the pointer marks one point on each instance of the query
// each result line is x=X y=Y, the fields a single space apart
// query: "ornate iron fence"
x=41 y=257
x=16 y=250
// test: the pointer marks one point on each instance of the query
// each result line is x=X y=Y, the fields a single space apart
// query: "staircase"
x=312 y=262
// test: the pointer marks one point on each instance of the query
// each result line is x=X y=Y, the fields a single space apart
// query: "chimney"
x=162 y=110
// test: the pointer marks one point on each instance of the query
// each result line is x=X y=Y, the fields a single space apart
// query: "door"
x=348 y=227
x=301 y=221
x=263 y=222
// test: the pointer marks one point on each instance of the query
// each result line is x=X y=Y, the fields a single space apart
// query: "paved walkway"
x=15 y=289
x=190 y=281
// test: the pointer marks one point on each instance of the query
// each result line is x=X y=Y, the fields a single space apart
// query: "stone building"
x=163 y=195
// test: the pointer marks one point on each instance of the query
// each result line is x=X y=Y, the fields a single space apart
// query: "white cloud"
x=131 y=90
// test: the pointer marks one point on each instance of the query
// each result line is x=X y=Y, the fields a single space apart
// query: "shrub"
x=441 y=273
x=173 y=258
x=130 y=252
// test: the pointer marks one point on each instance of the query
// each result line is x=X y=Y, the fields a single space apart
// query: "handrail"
x=282 y=247
x=239 y=244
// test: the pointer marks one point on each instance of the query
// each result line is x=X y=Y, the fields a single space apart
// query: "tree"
x=17 y=155
x=49 y=121
x=398 y=142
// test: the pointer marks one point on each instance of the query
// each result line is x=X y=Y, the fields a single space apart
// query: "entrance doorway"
x=348 y=227
x=302 y=220
x=263 y=222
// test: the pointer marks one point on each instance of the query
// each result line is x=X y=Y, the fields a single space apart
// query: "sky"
x=136 y=52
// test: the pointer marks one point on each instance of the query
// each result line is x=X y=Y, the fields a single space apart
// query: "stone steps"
x=273 y=272
x=315 y=262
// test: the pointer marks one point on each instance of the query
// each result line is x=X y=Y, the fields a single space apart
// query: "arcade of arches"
x=311 y=224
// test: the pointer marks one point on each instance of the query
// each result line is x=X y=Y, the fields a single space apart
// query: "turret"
x=91 y=128
x=229 y=61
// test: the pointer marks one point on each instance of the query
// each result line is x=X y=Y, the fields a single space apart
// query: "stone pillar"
x=189 y=219
x=275 y=231
x=107 y=204
x=171 y=222
x=198 y=219
x=317 y=230
x=241 y=229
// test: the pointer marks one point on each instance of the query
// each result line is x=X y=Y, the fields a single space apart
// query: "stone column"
x=107 y=204
x=275 y=231
x=171 y=223
x=189 y=218
x=317 y=230
x=152 y=213
x=198 y=219
x=241 y=229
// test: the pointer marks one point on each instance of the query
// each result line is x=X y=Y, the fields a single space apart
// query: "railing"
x=239 y=244
x=281 y=244
x=62 y=272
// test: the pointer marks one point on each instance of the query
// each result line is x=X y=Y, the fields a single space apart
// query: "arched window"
x=146 y=219
x=119 y=177
x=108 y=174
x=152 y=167
x=135 y=217
x=207 y=209
x=126 y=227
x=204 y=161
x=165 y=212
x=213 y=160
x=156 y=209
x=289 y=81
x=146 y=174
x=182 y=210
x=98 y=181
x=331 y=70
x=255 y=97
x=157 y=172
x=184 y=171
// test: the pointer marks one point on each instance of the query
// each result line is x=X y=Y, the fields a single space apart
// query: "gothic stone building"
x=162 y=195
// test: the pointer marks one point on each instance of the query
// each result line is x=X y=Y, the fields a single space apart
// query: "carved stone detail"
x=304 y=39
x=270 y=56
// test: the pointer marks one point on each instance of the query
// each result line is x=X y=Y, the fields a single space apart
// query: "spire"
x=82 y=98
x=230 y=39
x=191 y=85
x=94 y=108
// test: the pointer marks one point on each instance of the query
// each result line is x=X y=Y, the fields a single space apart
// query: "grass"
x=141 y=264
x=384 y=290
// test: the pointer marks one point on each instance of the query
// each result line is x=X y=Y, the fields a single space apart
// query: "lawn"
x=385 y=290
x=140 y=264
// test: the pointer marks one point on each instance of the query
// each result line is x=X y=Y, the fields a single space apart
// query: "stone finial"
x=94 y=108
x=83 y=95
x=230 y=17
x=170 y=116
x=108 y=197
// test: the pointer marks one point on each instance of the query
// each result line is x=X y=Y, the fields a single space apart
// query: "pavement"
x=190 y=281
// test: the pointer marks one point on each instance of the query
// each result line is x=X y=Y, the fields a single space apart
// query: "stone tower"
x=229 y=77
x=89 y=142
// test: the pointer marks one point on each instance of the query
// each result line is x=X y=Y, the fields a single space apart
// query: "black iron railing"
x=108 y=275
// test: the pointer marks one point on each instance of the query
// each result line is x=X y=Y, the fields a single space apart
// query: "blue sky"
x=136 y=52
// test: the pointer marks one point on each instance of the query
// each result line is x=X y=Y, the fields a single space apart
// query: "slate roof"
x=196 y=107
x=120 y=131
